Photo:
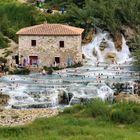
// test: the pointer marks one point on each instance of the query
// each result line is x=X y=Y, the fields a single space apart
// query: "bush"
x=96 y=108
x=75 y=65
x=120 y=116
x=3 y=60
x=20 y=71
x=45 y=68
x=125 y=112
x=74 y=109
x=121 y=112
x=3 y=42
x=50 y=71
x=15 y=16
x=136 y=109
x=56 y=68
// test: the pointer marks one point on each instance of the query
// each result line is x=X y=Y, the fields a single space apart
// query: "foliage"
x=57 y=4
x=3 y=60
x=97 y=108
x=22 y=71
x=106 y=14
x=15 y=16
x=68 y=127
x=74 y=109
x=45 y=68
x=136 y=56
x=125 y=112
x=75 y=65
x=120 y=112
x=56 y=18
x=50 y=71
x=3 y=42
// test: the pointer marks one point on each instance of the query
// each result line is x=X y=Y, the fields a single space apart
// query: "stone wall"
x=47 y=48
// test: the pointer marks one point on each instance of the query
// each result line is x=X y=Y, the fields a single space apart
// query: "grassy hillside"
x=82 y=123
x=107 y=14
x=13 y=17
x=70 y=128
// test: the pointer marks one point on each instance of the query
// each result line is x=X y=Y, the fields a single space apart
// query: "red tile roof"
x=50 y=29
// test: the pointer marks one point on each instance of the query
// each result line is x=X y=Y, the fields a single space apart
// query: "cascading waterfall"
x=88 y=49
x=73 y=85
x=105 y=92
x=94 y=46
x=124 y=54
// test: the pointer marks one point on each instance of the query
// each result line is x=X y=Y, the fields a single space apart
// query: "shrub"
x=122 y=116
x=50 y=71
x=45 y=68
x=74 y=109
x=56 y=68
x=3 y=42
x=3 y=60
x=15 y=16
x=125 y=112
x=97 y=108
x=136 y=109
x=75 y=65
x=20 y=71
x=121 y=112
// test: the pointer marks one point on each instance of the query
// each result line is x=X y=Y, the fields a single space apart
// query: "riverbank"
x=14 y=117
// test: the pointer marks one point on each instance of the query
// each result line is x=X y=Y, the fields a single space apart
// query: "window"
x=57 y=60
x=61 y=44
x=33 y=42
x=33 y=60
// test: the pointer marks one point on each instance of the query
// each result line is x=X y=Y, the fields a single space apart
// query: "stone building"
x=50 y=45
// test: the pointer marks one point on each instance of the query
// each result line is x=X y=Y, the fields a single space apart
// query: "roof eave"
x=48 y=35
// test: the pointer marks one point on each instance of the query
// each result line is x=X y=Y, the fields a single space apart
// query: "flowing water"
x=94 y=79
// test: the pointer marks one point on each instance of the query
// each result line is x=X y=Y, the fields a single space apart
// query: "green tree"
x=3 y=42
x=136 y=56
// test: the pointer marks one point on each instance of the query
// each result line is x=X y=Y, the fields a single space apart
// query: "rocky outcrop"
x=103 y=45
x=119 y=87
x=110 y=55
x=88 y=38
x=124 y=96
x=130 y=36
x=64 y=98
x=118 y=43
x=3 y=99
